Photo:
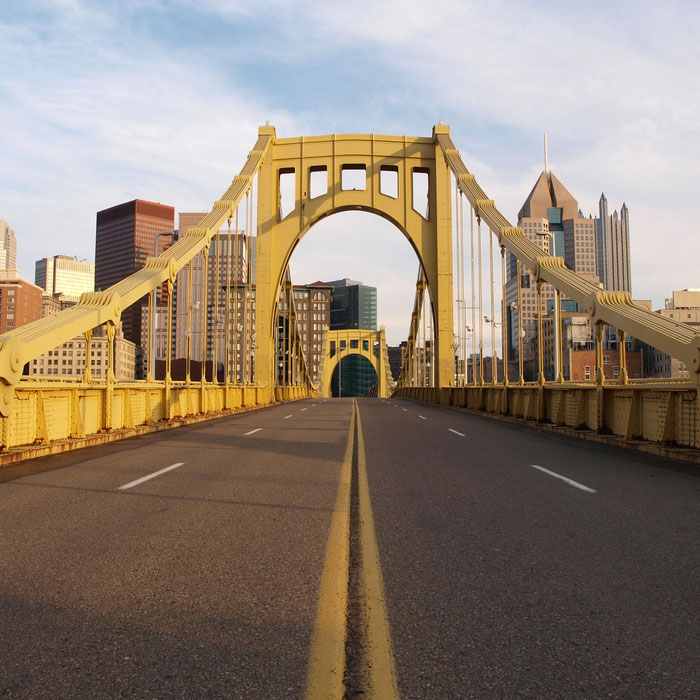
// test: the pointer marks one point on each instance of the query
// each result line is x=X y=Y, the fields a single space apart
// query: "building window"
x=606 y=359
x=587 y=372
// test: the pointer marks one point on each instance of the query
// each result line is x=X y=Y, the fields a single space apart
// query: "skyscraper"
x=236 y=250
x=613 y=247
x=64 y=275
x=8 y=247
x=354 y=305
x=125 y=238
x=551 y=218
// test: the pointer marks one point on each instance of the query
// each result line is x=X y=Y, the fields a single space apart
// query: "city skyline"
x=85 y=130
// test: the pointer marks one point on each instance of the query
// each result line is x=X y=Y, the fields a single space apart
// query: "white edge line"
x=422 y=417
x=150 y=476
x=404 y=409
x=303 y=409
x=250 y=432
x=571 y=482
x=456 y=432
x=289 y=416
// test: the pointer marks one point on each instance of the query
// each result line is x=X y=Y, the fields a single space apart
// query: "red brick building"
x=579 y=365
x=20 y=301
x=125 y=238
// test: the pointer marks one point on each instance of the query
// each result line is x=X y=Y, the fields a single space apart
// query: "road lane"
x=199 y=583
x=203 y=582
x=502 y=583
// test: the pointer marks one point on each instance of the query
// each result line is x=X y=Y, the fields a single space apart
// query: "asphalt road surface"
x=200 y=562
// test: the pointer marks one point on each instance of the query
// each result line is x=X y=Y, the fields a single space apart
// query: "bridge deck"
x=500 y=579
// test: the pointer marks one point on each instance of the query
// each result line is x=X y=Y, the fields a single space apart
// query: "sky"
x=102 y=102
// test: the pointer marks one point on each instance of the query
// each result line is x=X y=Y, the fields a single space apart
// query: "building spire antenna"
x=546 y=155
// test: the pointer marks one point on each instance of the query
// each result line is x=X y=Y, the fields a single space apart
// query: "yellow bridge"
x=287 y=185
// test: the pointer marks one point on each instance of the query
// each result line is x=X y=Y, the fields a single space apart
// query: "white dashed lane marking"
x=151 y=476
x=571 y=482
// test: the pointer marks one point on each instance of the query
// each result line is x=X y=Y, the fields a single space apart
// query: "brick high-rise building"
x=126 y=236
x=20 y=301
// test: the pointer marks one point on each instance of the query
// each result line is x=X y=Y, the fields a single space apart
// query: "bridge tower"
x=405 y=180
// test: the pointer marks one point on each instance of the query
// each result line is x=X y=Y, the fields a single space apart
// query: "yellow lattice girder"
x=614 y=308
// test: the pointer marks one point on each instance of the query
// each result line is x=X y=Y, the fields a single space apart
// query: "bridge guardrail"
x=661 y=413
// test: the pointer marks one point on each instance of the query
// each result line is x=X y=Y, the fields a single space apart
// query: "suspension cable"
x=215 y=319
x=188 y=321
x=236 y=301
x=227 y=318
x=493 y=314
x=481 y=306
x=521 y=361
x=505 y=326
x=473 y=306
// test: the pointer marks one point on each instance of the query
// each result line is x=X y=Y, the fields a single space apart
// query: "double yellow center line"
x=327 y=663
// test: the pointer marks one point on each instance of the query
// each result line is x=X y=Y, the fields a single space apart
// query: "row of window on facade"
x=587 y=370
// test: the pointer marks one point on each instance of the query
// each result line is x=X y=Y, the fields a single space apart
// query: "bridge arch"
x=404 y=180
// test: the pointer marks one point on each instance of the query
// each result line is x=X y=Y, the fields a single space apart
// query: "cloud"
x=76 y=141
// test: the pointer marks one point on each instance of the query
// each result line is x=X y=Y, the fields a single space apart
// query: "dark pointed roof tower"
x=547 y=193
